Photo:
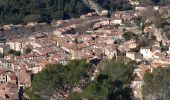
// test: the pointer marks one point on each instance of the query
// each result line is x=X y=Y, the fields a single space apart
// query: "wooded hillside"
x=23 y=11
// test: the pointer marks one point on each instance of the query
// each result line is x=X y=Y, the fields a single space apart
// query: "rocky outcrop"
x=94 y=6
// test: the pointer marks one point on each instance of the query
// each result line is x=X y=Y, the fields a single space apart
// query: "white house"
x=156 y=8
x=19 y=45
x=15 y=45
x=116 y=21
x=146 y=52
x=140 y=8
x=134 y=2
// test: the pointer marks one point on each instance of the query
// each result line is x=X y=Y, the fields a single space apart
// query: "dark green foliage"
x=17 y=53
x=128 y=35
x=114 y=4
x=23 y=11
x=32 y=95
x=28 y=50
x=159 y=22
x=157 y=85
x=154 y=2
x=11 y=51
x=110 y=84
x=57 y=77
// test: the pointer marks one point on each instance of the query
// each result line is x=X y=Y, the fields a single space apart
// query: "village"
x=108 y=38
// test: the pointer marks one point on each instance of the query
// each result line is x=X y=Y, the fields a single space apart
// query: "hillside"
x=24 y=11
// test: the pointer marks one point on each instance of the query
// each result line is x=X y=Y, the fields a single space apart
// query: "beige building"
x=3 y=77
x=110 y=52
x=11 y=77
x=36 y=69
x=130 y=55
x=134 y=56
x=76 y=55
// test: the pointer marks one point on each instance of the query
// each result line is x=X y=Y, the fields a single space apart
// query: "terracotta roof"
x=13 y=96
x=27 y=55
x=24 y=77
x=13 y=77
x=11 y=85
x=2 y=72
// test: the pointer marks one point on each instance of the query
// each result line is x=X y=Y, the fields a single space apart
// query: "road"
x=83 y=24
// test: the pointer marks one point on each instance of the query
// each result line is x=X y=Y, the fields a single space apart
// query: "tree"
x=159 y=22
x=128 y=35
x=156 y=85
x=156 y=2
x=24 y=11
x=17 y=53
x=11 y=51
x=57 y=78
x=28 y=50
x=111 y=84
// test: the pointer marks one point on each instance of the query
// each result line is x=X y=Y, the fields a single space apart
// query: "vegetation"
x=111 y=84
x=23 y=11
x=156 y=85
x=159 y=22
x=155 y=2
x=128 y=35
x=57 y=78
x=114 y=4
x=17 y=53
x=28 y=50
